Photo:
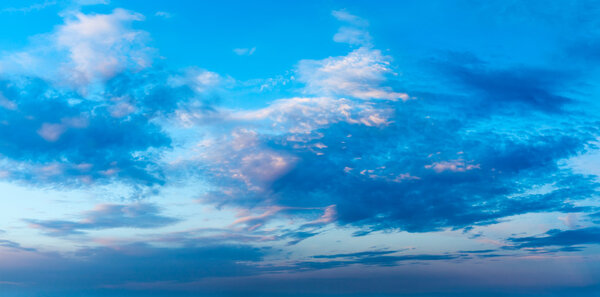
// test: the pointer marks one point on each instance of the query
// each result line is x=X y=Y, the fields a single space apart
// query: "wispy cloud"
x=354 y=31
x=560 y=238
x=107 y=216
x=361 y=74
x=163 y=14
x=244 y=51
x=30 y=8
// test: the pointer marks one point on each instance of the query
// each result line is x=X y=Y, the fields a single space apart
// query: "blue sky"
x=314 y=148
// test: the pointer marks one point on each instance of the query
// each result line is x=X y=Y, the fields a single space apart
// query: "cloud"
x=388 y=164
x=84 y=141
x=255 y=221
x=107 y=216
x=297 y=236
x=101 y=45
x=440 y=162
x=92 y=2
x=248 y=229
x=377 y=258
x=30 y=8
x=361 y=74
x=364 y=166
x=241 y=158
x=506 y=87
x=346 y=151
x=457 y=165
x=358 y=254
x=92 y=268
x=14 y=245
x=571 y=220
x=244 y=158
x=154 y=93
x=564 y=238
x=476 y=252
x=244 y=51
x=345 y=16
x=595 y=217
x=354 y=32
x=352 y=36
x=304 y=115
x=329 y=216
x=86 y=49
x=164 y=14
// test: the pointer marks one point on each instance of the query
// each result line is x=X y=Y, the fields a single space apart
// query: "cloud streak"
x=107 y=216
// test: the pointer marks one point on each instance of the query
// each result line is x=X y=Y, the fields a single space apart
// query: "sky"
x=299 y=148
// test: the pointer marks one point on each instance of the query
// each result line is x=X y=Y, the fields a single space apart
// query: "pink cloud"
x=458 y=165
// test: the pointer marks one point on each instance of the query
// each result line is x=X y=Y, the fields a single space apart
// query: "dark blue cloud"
x=14 y=245
x=142 y=269
x=358 y=254
x=459 y=198
x=296 y=236
x=138 y=262
x=477 y=252
x=392 y=260
x=377 y=258
x=66 y=139
x=518 y=89
x=431 y=169
x=595 y=217
x=106 y=216
x=561 y=238
x=586 y=50
x=149 y=91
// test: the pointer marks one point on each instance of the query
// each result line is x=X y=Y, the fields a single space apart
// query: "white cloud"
x=163 y=14
x=354 y=32
x=8 y=104
x=570 y=220
x=240 y=156
x=200 y=80
x=101 y=45
x=87 y=48
x=344 y=16
x=207 y=79
x=122 y=109
x=244 y=51
x=51 y=132
x=30 y=8
x=361 y=74
x=329 y=216
x=303 y=115
x=352 y=36
x=92 y=2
